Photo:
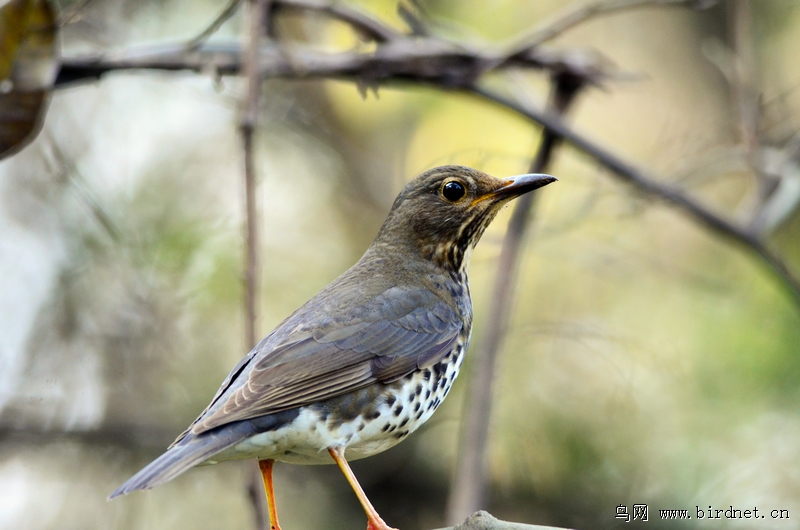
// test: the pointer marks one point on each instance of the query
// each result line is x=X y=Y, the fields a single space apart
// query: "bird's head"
x=441 y=214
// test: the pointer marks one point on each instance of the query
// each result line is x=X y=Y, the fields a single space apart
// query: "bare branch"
x=582 y=13
x=258 y=9
x=72 y=12
x=485 y=521
x=411 y=59
x=258 y=13
x=359 y=20
x=469 y=486
x=652 y=187
x=215 y=24
x=744 y=78
x=438 y=63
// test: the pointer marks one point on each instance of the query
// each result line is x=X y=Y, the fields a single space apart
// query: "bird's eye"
x=453 y=191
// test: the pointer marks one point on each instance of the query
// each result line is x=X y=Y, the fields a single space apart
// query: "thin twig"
x=401 y=56
x=744 y=77
x=215 y=24
x=582 y=13
x=648 y=185
x=440 y=64
x=72 y=11
x=258 y=12
x=247 y=127
x=469 y=485
x=743 y=84
x=359 y=20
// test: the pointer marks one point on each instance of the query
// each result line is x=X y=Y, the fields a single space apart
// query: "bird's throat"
x=453 y=257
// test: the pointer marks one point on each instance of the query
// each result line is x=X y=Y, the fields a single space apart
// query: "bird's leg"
x=266 y=474
x=374 y=521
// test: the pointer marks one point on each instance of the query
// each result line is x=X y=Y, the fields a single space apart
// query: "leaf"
x=28 y=66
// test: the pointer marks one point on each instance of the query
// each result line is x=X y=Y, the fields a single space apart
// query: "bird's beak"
x=516 y=186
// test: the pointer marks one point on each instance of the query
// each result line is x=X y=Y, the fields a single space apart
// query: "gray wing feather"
x=193 y=449
x=395 y=333
x=182 y=455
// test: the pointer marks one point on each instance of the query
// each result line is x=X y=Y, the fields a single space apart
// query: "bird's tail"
x=187 y=453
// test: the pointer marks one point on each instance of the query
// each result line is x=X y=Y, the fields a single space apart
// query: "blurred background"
x=648 y=361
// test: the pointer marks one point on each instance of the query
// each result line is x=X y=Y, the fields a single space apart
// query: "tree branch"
x=215 y=24
x=360 y=21
x=484 y=521
x=247 y=125
x=412 y=59
x=258 y=13
x=648 y=185
x=441 y=64
x=582 y=13
x=469 y=485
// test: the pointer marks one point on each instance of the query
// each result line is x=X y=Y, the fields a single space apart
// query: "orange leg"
x=374 y=521
x=266 y=473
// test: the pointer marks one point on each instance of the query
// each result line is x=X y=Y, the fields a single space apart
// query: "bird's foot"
x=378 y=524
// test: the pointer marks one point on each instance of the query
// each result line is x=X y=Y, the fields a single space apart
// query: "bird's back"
x=369 y=358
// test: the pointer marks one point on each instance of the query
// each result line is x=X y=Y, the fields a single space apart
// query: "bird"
x=365 y=361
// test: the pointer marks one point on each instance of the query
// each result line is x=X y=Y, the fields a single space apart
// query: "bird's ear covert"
x=453 y=190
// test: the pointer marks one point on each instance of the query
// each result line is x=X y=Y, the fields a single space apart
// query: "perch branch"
x=485 y=521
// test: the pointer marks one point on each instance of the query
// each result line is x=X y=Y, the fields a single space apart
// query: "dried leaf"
x=28 y=65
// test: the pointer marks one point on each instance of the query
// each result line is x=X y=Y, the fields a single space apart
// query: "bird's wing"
x=393 y=334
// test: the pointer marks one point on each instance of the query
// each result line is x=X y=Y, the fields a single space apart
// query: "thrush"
x=367 y=360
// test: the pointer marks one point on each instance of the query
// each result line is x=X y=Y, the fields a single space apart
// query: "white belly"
x=386 y=422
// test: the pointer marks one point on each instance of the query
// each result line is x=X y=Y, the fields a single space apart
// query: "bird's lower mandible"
x=368 y=359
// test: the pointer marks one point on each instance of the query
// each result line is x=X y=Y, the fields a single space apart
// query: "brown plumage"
x=370 y=357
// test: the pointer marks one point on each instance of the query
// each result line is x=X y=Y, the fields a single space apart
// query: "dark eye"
x=453 y=191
